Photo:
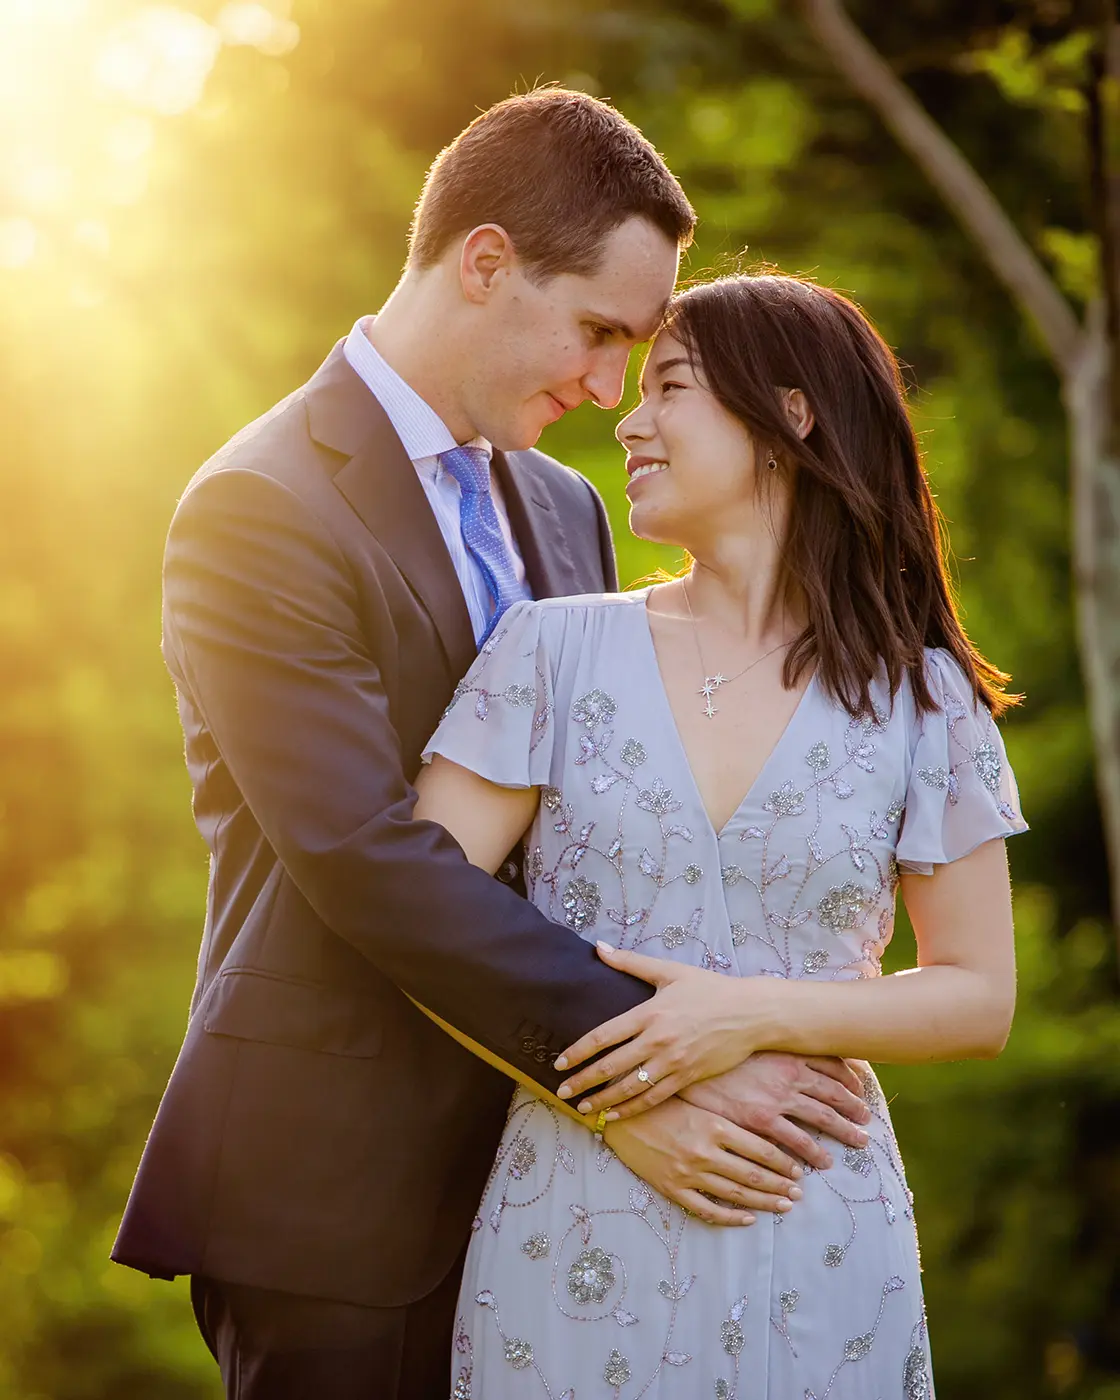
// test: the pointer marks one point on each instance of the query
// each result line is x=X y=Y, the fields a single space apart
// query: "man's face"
x=543 y=348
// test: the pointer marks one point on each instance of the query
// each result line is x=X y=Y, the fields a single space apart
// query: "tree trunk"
x=1095 y=490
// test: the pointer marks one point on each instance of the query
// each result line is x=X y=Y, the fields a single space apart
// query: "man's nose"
x=606 y=380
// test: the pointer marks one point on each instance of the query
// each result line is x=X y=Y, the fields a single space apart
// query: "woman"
x=734 y=770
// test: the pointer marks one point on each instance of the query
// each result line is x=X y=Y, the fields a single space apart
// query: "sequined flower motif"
x=814 y=961
x=596 y=707
x=462 y=1389
x=658 y=799
x=785 y=801
x=843 y=907
x=915 y=1377
x=633 y=753
x=789 y=1300
x=581 y=900
x=733 y=1337
x=552 y=798
x=617 y=1370
x=522 y=1158
x=985 y=759
x=591 y=1276
x=858 y=1159
x=456 y=695
x=818 y=756
x=522 y=695
x=693 y=874
x=723 y=1390
x=857 y=1347
x=536 y=863
x=834 y=1255
x=674 y=936
x=739 y=934
x=518 y=1353
x=537 y=1246
x=731 y=875
x=935 y=777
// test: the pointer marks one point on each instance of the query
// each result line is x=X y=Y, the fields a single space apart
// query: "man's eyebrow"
x=611 y=324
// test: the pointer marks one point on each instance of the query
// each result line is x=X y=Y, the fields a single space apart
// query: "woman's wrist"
x=767 y=1014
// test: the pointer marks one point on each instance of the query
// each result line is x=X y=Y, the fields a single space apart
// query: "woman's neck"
x=743 y=597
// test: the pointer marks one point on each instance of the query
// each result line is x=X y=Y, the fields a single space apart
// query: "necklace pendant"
x=708 y=689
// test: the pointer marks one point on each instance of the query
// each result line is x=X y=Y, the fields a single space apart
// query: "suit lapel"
x=381 y=485
x=538 y=528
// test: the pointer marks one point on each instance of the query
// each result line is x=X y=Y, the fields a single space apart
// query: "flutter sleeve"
x=962 y=791
x=500 y=718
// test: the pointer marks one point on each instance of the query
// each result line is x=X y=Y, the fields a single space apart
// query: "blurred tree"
x=1087 y=358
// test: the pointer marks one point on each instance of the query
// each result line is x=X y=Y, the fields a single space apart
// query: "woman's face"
x=693 y=466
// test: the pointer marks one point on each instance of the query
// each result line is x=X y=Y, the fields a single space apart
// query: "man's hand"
x=682 y=1150
x=778 y=1096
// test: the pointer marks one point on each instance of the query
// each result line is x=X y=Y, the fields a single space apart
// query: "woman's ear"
x=800 y=415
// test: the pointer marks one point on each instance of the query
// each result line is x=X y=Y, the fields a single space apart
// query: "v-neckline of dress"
x=779 y=743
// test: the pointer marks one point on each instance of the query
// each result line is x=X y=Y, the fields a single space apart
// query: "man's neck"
x=410 y=334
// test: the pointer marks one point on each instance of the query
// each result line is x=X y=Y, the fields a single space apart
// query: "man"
x=321 y=1146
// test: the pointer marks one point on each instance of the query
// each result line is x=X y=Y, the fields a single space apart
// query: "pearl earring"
x=772 y=463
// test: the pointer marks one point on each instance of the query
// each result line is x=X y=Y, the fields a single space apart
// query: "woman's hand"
x=706 y=1164
x=699 y=1024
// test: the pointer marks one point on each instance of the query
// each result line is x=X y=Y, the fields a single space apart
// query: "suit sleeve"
x=262 y=623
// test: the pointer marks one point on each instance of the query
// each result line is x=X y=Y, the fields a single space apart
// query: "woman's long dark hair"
x=865 y=544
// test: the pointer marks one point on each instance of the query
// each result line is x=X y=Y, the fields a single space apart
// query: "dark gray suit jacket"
x=319 y=1134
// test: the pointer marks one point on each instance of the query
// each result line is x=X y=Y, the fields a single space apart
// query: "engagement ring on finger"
x=644 y=1075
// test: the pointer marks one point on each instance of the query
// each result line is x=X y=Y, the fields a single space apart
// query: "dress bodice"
x=801 y=880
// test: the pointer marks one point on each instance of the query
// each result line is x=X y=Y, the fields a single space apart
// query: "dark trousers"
x=280 y=1346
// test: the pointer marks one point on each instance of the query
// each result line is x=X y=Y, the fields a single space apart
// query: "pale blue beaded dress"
x=581 y=1283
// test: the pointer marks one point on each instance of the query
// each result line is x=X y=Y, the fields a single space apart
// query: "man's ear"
x=800 y=415
x=487 y=252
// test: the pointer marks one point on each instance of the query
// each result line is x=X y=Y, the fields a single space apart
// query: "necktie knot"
x=470 y=466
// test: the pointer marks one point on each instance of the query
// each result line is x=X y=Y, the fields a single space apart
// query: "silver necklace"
x=713 y=683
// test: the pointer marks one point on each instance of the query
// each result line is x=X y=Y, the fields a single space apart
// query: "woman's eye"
x=666 y=387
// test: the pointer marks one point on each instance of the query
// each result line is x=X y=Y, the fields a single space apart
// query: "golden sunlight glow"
x=84 y=88
x=159 y=59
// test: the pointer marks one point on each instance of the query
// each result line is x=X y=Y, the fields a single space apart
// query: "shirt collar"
x=421 y=430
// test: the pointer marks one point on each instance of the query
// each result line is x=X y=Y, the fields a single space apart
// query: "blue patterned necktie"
x=482 y=534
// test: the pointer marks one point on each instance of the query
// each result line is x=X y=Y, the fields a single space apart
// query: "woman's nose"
x=631 y=428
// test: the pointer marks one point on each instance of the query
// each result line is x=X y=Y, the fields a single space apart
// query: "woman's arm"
x=485 y=819
x=956 y=1004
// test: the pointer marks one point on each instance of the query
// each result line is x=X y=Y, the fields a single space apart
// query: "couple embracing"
x=475 y=817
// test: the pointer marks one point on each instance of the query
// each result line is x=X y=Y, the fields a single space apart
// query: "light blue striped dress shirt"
x=424 y=435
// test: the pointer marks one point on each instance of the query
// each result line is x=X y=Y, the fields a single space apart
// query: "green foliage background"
x=193 y=265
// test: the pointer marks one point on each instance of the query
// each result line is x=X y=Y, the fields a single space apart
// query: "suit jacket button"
x=542 y=1054
x=529 y=1045
x=508 y=872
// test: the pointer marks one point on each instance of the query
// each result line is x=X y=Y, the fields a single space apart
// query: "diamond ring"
x=644 y=1075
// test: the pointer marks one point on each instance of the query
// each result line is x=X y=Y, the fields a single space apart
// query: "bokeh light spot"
x=159 y=58
x=18 y=242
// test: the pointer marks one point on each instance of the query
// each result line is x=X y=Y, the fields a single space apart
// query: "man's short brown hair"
x=559 y=171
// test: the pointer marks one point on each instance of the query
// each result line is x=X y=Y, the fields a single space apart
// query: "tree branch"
x=963 y=190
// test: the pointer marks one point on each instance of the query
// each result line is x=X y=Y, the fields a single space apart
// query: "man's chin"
x=519 y=439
